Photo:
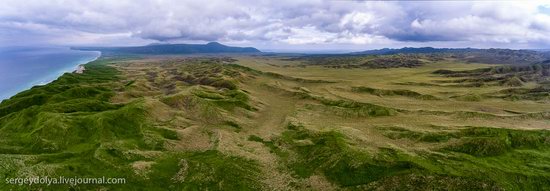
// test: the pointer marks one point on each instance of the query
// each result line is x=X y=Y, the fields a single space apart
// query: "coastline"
x=62 y=71
x=53 y=76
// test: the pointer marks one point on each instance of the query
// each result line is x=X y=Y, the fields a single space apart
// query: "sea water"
x=24 y=67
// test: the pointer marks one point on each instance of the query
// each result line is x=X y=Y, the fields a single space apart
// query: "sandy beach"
x=80 y=69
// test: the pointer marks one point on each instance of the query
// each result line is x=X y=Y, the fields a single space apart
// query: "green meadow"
x=273 y=123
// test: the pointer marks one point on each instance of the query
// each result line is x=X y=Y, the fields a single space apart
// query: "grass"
x=70 y=128
x=358 y=109
x=468 y=97
x=273 y=123
x=400 y=133
x=381 y=92
x=491 y=142
x=209 y=170
x=331 y=154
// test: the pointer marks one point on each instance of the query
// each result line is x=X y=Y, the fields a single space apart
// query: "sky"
x=281 y=25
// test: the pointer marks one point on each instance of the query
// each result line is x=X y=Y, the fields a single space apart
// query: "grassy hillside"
x=273 y=123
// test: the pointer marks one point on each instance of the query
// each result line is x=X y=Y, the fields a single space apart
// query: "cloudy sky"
x=278 y=24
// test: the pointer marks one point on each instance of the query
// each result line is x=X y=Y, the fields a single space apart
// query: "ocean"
x=24 y=67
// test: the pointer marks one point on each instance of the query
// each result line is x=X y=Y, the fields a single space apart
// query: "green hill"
x=270 y=123
x=212 y=47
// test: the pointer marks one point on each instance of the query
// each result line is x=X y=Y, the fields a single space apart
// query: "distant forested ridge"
x=212 y=47
x=491 y=56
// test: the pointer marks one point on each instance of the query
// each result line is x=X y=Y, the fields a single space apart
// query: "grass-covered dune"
x=70 y=128
x=268 y=123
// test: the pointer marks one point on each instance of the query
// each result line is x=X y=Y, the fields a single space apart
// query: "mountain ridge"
x=211 y=47
x=490 y=56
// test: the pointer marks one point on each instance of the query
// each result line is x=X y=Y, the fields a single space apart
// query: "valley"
x=276 y=122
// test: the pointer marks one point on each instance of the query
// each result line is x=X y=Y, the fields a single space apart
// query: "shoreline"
x=55 y=75
x=65 y=70
x=80 y=69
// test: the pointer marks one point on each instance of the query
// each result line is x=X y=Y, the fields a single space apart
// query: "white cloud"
x=290 y=22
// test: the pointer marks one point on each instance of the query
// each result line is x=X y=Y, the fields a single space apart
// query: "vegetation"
x=392 y=62
x=155 y=49
x=372 y=62
x=507 y=76
x=490 y=56
x=269 y=123
x=381 y=92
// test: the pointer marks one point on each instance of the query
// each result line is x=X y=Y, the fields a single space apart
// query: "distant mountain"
x=212 y=47
x=158 y=43
x=490 y=56
x=408 y=50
